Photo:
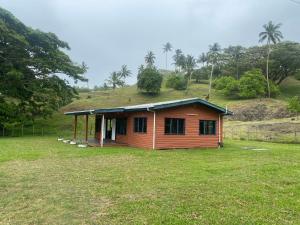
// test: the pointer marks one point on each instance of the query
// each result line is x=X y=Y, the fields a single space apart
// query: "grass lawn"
x=43 y=181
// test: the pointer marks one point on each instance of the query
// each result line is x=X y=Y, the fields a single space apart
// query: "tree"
x=177 y=58
x=167 y=48
x=202 y=59
x=294 y=105
x=30 y=61
x=176 y=81
x=149 y=59
x=284 y=61
x=252 y=84
x=227 y=86
x=150 y=80
x=273 y=35
x=235 y=53
x=190 y=64
x=115 y=80
x=213 y=57
x=125 y=72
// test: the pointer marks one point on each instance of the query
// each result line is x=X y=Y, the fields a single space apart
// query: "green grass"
x=43 y=181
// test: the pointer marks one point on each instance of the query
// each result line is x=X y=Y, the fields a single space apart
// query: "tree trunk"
x=267 y=69
x=166 y=60
x=210 y=79
x=237 y=71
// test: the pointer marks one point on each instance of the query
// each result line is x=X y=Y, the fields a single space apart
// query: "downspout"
x=154 y=128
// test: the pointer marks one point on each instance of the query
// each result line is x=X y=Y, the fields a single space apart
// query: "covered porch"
x=106 y=126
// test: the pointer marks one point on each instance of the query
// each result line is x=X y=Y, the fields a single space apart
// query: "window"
x=207 y=127
x=174 y=126
x=121 y=126
x=140 y=125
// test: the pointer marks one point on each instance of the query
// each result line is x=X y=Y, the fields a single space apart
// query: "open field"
x=43 y=181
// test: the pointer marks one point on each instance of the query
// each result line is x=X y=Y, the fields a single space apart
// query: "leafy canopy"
x=31 y=65
x=149 y=81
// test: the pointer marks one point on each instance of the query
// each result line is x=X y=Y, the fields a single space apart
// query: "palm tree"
x=202 y=59
x=115 y=80
x=125 y=72
x=273 y=35
x=190 y=64
x=235 y=53
x=149 y=59
x=213 y=57
x=167 y=48
x=176 y=58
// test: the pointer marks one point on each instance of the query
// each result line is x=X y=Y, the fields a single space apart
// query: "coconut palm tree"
x=125 y=72
x=149 y=59
x=167 y=48
x=190 y=64
x=202 y=59
x=176 y=58
x=213 y=57
x=115 y=80
x=273 y=35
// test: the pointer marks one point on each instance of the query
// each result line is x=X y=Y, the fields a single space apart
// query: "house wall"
x=133 y=139
x=192 y=114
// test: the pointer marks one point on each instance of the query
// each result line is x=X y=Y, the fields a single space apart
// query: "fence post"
x=22 y=130
x=33 y=130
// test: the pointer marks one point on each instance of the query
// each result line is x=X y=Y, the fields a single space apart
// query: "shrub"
x=252 y=84
x=149 y=80
x=274 y=89
x=177 y=82
x=227 y=86
x=294 y=105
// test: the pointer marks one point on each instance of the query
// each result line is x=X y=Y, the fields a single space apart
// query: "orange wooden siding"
x=191 y=139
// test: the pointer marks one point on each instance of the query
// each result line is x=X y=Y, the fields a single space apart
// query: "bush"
x=294 y=105
x=274 y=89
x=149 y=80
x=252 y=84
x=227 y=86
x=177 y=82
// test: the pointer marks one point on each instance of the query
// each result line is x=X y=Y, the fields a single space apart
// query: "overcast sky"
x=109 y=33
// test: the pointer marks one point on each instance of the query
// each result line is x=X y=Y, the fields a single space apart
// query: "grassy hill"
x=60 y=124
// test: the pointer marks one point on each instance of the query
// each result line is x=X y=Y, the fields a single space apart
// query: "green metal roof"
x=154 y=106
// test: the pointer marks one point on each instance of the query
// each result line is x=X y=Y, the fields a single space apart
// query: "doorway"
x=110 y=129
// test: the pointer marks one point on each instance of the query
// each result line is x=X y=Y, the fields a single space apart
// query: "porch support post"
x=86 y=127
x=75 y=128
x=154 y=130
x=102 y=131
x=219 y=131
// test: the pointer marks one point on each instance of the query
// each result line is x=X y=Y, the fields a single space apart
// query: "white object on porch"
x=113 y=129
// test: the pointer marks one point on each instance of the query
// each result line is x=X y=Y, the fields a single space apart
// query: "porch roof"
x=153 y=106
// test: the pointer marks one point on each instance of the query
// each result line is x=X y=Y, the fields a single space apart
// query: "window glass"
x=140 y=124
x=121 y=126
x=174 y=126
x=207 y=127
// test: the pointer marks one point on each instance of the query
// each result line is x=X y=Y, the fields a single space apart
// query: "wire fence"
x=283 y=133
x=277 y=132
